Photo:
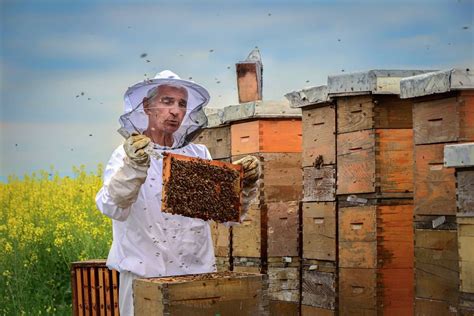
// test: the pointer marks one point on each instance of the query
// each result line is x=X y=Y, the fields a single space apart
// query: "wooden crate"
x=361 y=112
x=376 y=236
x=249 y=238
x=217 y=140
x=94 y=288
x=283 y=229
x=319 y=130
x=220 y=239
x=249 y=81
x=466 y=252
x=319 y=231
x=435 y=185
x=222 y=264
x=248 y=265
x=316 y=311
x=205 y=189
x=319 y=184
x=444 y=118
x=318 y=288
x=436 y=265
x=284 y=279
x=224 y=293
x=357 y=291
x=464 y=189
x=266 y=136
x=278 y=308
x=434 y=308
x=281 y=178
x=375 y=161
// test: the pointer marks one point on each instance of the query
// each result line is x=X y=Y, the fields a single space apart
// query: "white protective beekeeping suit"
x=146 y=241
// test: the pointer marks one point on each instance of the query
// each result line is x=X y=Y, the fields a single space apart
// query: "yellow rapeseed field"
x=47 y=222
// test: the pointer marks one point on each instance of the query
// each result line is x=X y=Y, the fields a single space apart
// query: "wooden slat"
x=357 y=291
x=396 y=288
x=220 y=238
x=319 y=231
x=115 y=289
x=93 y=289
x=316 y=311
x=247 y=237
x=355 y=113
x=434 y=308
x=319 y=184
x=391 y=112
x=319 y=129
x=79 y=291
x=86 y=293
x=108 y=293
x=466 y=115
x=358 y=254
x=436 y=266
x=358 y=223
x=283 y=228
x=101 y=285
x=284 y=284
x=245 y=137
x=435 y=191
x=283 y=308
x=466 y=253
x=318 y=289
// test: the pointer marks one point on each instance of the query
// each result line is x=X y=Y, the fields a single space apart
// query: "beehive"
x=201 y=188
x=221 y=293
x=94 y=288
x=217 y=141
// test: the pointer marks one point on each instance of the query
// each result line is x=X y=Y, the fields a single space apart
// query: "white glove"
x=252 y=171
x=126 y=182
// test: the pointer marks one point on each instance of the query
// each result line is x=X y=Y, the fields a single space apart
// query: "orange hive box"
x=200 y=188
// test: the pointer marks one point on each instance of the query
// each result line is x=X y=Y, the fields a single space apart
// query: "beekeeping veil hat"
x=136 y=120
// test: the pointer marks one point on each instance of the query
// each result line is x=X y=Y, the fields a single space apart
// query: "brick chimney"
x=249 y=77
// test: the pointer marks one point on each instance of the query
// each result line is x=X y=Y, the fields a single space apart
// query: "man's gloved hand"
x=135 y=146
x=252 y=169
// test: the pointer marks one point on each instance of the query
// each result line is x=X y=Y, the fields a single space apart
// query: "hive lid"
x=260 y=109
x=372 y=81
x=436 y=82
x=214 y=117
x=308 y=96
x=459 y=155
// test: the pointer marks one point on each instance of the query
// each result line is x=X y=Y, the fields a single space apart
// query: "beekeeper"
x=162 y=114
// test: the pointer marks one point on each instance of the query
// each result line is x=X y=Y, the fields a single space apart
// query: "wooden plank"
x=394 y=160
x=358 y=223
x=284 y=284
x=102 y=307
x=435 y=190
x=283 y=227
x=247 y=237
x=86 y=292
x=466 y=115
x=358 y=254
x=115 y=289
x=217 y=140
x=93 y=289
x=436 y=265
x=396 y=291
x=395 y=237
x=466 y=253
x=319 y=129
x=319 y=184
x=355 y=113
x=319 y=231
x=391 y=112
x=356 y=163
x=357 y=291
x=79 y=291
x=318 y=289
x=464 y=189
x=281 y=136
x=434 y=308
x=220 y=238
x=316 y=311
x=247 y=82
x=278 y=308
x=436 y=121
x=245 y=137
x=222 y=264
x=199 y=188
x=108 y=292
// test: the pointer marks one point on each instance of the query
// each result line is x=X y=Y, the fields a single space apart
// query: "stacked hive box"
x=375 y=193
x=267 y=240
x=462 y=158
x=217 y=139
x=318 y=213
x=443 y=112
x=94 y=288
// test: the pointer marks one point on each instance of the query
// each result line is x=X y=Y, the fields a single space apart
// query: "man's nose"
x=174 y=110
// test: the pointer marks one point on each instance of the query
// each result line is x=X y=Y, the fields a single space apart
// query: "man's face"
x=167 y=109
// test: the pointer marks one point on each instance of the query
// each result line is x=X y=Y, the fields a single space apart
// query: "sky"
x=53 y=51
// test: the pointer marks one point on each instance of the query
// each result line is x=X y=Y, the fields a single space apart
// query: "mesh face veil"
x=136 y=120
